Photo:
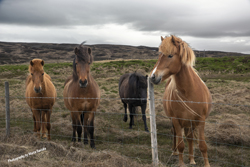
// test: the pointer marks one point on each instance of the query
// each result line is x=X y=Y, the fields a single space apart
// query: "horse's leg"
x=202 y=143
x=125 y=115
x=85 y=126
x=131 y=115
x=73 y=116
x=174 y=148
x=38 y=121
x=79 y=127
x=143 y=108
x=189 y=136
x=91 y=129
x=180 y=143
x=34 y=119
x=44 y=122
x=48 y=126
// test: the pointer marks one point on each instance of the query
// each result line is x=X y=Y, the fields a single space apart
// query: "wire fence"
x=228 y=142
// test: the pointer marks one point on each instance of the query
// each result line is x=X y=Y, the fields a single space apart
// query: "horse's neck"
x=185 y=80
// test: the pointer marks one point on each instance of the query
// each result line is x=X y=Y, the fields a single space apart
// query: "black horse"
x=134 y=86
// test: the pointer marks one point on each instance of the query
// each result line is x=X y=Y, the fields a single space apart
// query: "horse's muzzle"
x=83 y=84
x=38 y=90
x=155 y=80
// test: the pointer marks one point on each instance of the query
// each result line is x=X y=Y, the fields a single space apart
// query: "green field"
x=227 y=78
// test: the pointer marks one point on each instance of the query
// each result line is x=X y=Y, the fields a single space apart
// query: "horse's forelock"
x=173 y=44
x=84 y=55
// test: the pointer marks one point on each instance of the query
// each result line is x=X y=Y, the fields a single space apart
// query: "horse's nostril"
x=153 y=76
x=85 y=81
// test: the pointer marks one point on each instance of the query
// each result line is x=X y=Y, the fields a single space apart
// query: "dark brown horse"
x=175 y=63
x=133 y=85
x=40 y=95
x=82 y=95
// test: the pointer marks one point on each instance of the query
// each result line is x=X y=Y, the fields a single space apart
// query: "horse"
x=40 y=96
x=187 y=100
x=82 y=95
x=133 y=85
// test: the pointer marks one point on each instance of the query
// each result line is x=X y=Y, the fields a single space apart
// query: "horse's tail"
x=190 y=131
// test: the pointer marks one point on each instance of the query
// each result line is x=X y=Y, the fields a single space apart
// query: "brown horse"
x=175 y=63
x=40 y=96
x=82 y=95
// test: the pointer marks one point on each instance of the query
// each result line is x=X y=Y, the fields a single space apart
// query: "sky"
x=222 y=25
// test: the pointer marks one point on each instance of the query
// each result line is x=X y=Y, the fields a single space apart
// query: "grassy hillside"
x=227 y=78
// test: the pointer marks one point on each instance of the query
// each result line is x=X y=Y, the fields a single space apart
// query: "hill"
x=19 y=53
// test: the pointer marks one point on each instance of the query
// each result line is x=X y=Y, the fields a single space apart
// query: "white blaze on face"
x=156 y=66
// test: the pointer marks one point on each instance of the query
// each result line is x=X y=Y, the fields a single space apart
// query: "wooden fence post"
x=7 y=108
x=152 y=123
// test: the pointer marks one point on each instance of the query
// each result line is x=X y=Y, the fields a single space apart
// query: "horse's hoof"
x=79 y=140
x=175 y=153
x=130 y=127
x=146 y=130
x=92 y=146
x=44 y=136
x=125 y=119
x=85 y=142
x=192 y=162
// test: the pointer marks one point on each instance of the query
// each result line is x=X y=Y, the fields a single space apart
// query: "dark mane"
x=136 y=81
x=82 y=53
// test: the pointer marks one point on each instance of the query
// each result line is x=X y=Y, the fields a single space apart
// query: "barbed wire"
x=147 y=99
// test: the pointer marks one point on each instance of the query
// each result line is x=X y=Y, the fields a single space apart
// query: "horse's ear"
x=89 y=51
x=76 y=50
x=162 y=38
x=42 y=62
x=174 y=40
x=31 y=63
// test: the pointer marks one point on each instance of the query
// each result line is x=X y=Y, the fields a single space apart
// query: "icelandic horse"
x=82 y=95
x=183 y=92
x=40 y=95
x=132 y=87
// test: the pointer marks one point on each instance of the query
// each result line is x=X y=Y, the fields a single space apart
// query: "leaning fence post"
x=7 y=108
x=152 y=123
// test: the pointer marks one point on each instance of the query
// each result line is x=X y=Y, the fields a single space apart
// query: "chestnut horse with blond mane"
x=82 y=95
x=40 y=96
x=183 y=92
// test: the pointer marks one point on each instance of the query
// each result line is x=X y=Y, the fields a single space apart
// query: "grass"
x=227 y=79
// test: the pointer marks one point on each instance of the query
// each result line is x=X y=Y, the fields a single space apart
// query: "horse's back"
x=123 y=85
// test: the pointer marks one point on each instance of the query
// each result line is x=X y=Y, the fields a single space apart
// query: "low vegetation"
x=227 y=128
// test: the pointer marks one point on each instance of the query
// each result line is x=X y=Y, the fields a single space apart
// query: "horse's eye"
x=170 y=56
x=31 y=73
x=42 y=73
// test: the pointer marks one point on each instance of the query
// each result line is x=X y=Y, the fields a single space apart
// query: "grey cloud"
x=182 y=19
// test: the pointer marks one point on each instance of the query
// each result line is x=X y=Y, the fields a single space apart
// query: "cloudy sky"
x=205 y=24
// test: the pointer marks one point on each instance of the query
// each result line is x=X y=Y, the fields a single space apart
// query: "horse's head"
x=81 y=65
x=37 y=73
x=174 y=53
